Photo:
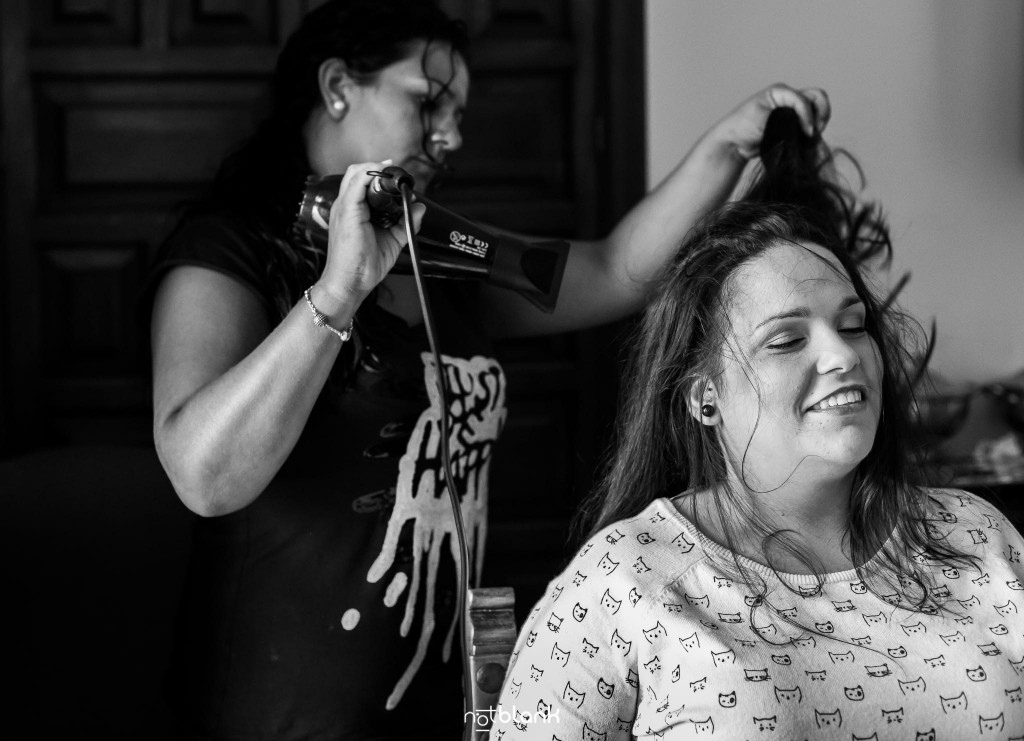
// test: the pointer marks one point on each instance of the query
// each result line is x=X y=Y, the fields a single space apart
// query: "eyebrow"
x=804 y=312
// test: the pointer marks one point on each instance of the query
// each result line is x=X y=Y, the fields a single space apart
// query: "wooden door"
x=114 y=110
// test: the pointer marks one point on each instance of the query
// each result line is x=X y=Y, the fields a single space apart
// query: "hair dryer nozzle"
x=532 y=269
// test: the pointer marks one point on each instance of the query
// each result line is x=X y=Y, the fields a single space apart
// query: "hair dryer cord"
x=453 y=495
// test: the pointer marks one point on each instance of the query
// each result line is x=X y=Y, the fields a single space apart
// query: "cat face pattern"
x=650 y=653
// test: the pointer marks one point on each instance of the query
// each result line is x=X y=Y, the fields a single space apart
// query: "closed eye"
x=786 y=344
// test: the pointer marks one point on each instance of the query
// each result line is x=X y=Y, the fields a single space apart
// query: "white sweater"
x=648 y=634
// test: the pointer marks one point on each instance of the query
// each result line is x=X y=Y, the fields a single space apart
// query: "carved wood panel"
x=88 y=22
x=218 y=22
x=123 y=144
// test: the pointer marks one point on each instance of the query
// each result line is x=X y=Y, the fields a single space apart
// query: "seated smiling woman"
x=800 y=586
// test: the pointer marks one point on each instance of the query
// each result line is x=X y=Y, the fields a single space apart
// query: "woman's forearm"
x=652 y=231
x=608 y=279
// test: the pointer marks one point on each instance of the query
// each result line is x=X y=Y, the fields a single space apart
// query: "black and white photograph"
x=465 y=370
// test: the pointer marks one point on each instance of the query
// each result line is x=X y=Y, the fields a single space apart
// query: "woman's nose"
x=456 y=138
x=451 y=137
x=836 y=354
x=448 y=135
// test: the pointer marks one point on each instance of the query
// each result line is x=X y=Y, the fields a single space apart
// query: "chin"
x=846 y=460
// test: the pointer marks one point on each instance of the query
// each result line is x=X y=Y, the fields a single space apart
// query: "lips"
x=843 y=397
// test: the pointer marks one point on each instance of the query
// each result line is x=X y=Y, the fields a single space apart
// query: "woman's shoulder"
x=222 y=241
x=652 y=546
x=209 y=234
x=968 y=518
x=620 y=571
x=953 y=505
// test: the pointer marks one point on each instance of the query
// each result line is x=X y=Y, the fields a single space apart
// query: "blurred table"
x=1000 y=482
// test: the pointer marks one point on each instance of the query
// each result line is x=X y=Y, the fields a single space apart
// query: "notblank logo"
x=486 y=718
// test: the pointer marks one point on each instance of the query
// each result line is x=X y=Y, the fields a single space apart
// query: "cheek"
x=396 y=134
x=391 y=130
x=870 y=358
x=872 y=361
x=735 y=394
x=749 y=406
x=768 y=392
x=406 y=120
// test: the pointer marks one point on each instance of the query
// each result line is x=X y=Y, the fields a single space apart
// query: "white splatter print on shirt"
x=476 y=416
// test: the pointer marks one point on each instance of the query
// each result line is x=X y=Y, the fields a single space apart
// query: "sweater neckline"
x=721 y=552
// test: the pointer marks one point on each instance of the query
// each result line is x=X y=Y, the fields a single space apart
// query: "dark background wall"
x=114 y=110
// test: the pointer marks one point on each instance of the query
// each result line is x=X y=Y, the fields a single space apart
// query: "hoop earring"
x=707 y=411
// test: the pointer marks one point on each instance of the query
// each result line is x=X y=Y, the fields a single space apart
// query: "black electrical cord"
x=453 y=495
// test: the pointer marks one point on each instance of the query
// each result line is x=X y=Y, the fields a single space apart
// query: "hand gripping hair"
x=800 y=170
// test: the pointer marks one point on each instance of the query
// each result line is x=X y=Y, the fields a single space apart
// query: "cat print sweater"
x=648 y=633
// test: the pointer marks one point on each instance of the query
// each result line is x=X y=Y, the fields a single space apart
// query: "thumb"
x=418 y=210
x=397 y=230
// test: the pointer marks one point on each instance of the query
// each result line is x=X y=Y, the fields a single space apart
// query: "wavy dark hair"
x=261 y=182
x=660 y=449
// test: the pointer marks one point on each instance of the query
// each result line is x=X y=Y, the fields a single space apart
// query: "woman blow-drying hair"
x=759 y=558
x=293 y=392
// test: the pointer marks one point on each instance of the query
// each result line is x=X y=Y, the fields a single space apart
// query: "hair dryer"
x=450 y=246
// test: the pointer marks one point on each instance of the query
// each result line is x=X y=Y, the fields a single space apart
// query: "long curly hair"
x=660 y=450
x=261 y=181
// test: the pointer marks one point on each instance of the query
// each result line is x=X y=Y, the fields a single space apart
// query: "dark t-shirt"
x=325 y=609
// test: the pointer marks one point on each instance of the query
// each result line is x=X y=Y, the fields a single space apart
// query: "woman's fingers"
x=822 y=105
x=358 y=251
x=352 y=191
x=811 y=105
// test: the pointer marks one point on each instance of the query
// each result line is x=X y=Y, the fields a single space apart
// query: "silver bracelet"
x=320 y=320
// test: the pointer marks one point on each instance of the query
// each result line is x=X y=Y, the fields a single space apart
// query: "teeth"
x=839 y=399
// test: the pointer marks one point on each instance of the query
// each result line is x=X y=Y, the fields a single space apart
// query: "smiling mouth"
x=839 y=399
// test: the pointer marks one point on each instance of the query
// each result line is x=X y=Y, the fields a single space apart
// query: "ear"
x=701 y=393
x=334 y=82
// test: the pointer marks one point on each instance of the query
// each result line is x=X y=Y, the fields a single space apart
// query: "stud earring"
x=338 y=105
x=707 y=411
